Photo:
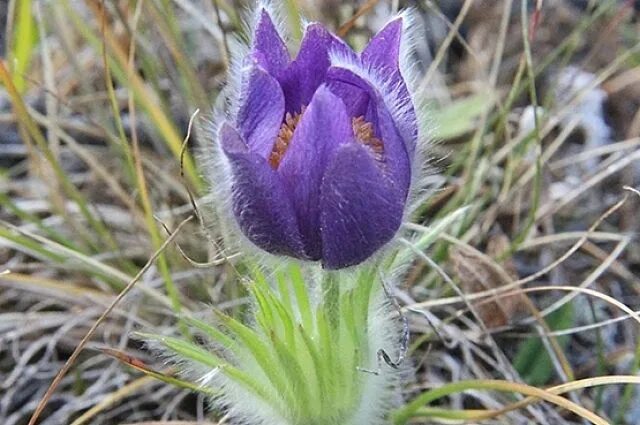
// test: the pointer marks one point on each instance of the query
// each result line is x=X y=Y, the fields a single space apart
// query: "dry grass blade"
x=363 y=10
x=59 y=287
x=113 y=398
x=592 y=292
x=479 y=415
x=455 y=28
x=503 y=386
x=171 y=423
x=623 y=241
x=616 y=167
x=141 y=179
x=482 y=272
x=498 y=353
x=89 y=261
x=41 y=405
x=166 y=376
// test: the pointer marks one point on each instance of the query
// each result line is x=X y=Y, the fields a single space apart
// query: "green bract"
x=309 y=356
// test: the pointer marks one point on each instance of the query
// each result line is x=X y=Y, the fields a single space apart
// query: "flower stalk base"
x=309 y=355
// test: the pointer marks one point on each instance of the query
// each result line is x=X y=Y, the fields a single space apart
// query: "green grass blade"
x=24 y=40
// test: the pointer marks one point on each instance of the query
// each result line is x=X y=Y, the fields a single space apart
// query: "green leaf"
x=460 y=116
x=293 y=371
x=429 y=235
x=24 y=41
x=285 y=316
x=212 y=332
x=262 y=353
x=532 y=360
x=186 y=349
x=139 y=366
x=312 y=348
x=263 y=313
x=302 y=297
x=330 y=367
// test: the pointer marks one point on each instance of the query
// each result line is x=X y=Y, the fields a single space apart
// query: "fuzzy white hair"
x=380 y=384
x=379 y=392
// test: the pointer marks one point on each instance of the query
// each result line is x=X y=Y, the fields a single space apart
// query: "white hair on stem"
x=378 y=392
x=381 y=391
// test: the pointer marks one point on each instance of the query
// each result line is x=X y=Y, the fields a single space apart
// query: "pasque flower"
x=320 y=148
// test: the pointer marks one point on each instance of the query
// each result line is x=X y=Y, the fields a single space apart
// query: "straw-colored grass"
x=523 y=292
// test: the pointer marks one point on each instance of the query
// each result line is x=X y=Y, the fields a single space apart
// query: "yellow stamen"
x=364 y=133
x=284 y=137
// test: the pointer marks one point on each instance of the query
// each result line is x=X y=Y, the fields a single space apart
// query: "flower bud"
x=320 y=147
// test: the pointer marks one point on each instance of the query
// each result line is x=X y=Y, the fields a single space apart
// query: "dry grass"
x=532 y=276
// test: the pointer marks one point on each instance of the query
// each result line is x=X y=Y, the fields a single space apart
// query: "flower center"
x=284 y=137
x=363 y=132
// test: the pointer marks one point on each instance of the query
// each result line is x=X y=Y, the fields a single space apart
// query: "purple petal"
x=261 y=112
x=360 y=211
x=307 y=71
x=231 y=141
x=268 y=48
x=353 y=91
x=397 y=156
x=325 y=125
x=383 y=50
x=383 y=53
x=260 y=203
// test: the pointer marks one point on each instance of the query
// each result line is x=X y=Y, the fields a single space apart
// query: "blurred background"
x=535 y=156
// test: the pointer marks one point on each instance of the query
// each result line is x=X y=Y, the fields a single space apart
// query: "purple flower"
x=321 y=147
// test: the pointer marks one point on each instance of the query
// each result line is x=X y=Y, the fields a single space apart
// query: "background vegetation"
x=531 y=276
